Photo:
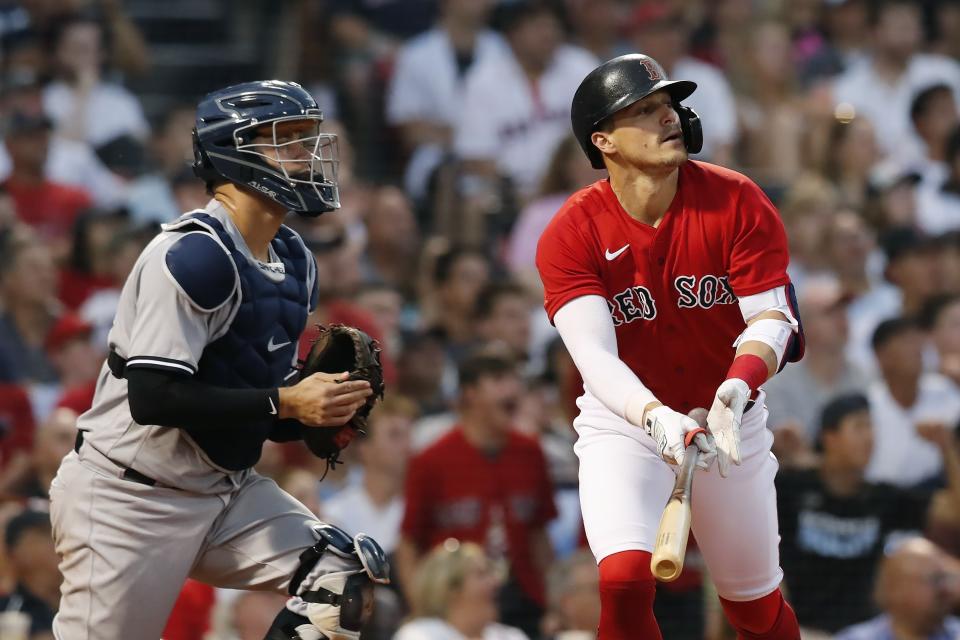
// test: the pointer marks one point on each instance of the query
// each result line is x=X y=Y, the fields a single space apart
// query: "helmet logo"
x=652 y=70
x=265 y=189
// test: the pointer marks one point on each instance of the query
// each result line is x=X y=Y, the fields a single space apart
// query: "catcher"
x=201 y=372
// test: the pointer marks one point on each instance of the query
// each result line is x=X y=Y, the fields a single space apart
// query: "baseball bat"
x=671 y=543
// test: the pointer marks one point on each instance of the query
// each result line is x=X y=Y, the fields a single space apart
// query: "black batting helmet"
x=620 y=82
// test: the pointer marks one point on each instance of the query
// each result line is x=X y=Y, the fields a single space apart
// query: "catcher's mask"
x=244 y=134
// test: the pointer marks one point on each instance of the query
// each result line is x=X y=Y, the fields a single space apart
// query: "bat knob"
x=665 y=570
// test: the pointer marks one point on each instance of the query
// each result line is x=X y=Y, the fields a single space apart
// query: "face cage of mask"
x=322 y=155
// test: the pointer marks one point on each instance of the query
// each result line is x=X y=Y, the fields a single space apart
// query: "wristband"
x=749 y=368
x=690 y=435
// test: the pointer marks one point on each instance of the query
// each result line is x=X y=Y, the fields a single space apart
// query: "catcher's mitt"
x=341 y=348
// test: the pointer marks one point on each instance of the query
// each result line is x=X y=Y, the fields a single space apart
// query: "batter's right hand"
x=324 y=399
x=670 y=431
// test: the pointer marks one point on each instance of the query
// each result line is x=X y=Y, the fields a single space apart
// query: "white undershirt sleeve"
x=587 y=330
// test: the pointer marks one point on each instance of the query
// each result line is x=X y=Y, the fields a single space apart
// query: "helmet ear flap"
x=691 y=127
x=202 y=167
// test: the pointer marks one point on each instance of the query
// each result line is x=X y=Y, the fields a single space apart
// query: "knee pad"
x=333 y=586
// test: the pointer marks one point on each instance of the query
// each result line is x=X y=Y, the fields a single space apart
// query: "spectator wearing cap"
x=28 y=293
x=485 y=483
x=659 y=30
x=916 y=592
x=905 y=402
x=66 y=162
x=50 y=208
x=425 y=93
x=883 y=87
x=795 y=397
x=834 y=523
x=939 y=202
x=33 y=565
x=516 y=106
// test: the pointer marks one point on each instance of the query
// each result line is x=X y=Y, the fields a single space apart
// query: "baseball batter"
x=668 y=284
x=160 y=486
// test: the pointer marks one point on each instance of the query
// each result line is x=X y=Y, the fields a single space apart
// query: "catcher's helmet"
x=227 y=123
x=620 y=82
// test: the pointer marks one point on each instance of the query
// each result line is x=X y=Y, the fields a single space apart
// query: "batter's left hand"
x=724 y=421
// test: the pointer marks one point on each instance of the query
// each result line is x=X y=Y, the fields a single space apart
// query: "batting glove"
x=724 y=420
x=673 y=431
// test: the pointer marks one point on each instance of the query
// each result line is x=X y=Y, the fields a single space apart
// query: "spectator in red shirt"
x=49 y=207
x=483 y=482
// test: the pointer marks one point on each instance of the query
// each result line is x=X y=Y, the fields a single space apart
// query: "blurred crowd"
x=455 y=151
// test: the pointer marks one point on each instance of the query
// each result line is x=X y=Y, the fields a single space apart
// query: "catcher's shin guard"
x=291 y=626
x=333 y=587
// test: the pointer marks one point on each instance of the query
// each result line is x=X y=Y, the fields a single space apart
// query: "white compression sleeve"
x=587 y=330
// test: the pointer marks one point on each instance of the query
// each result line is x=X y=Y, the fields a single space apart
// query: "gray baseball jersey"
x=157 y=323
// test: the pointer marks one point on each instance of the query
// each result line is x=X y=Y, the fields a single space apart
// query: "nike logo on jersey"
x=615 y=254
x=273 y=407
x=271 y=347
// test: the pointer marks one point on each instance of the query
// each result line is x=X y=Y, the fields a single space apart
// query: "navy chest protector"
x=259 y=348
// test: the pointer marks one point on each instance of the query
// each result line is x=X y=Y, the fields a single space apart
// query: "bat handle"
x=670 y=547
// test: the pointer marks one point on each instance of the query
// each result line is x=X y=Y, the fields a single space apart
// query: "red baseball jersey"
x=453 y=490
x=672 y=289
